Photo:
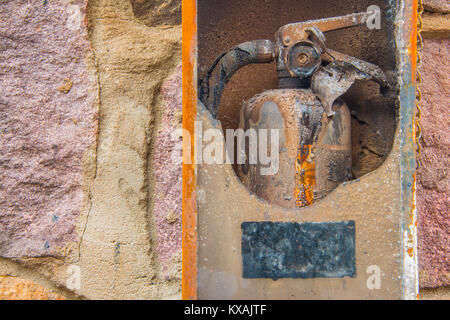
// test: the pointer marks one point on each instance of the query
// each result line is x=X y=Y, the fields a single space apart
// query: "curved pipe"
x=257 y=51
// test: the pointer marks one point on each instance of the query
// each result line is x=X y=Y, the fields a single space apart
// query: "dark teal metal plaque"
x=298 y=250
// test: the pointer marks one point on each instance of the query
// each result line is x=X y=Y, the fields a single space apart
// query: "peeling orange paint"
x=412 y=48
x=189 y=221
x=305 y=178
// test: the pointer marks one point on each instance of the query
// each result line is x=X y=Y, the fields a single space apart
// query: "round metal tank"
x=314 y=150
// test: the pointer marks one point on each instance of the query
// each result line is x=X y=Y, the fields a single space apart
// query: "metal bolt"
x=303 y=58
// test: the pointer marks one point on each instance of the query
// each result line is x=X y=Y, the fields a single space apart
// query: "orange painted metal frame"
x=189 y=221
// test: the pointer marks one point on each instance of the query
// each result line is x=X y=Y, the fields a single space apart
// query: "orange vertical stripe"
x=189 y=224
x=413 y=40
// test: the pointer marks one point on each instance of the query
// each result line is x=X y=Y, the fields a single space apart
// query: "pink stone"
x=432 y=177
x=44 y=132
x=168 y=175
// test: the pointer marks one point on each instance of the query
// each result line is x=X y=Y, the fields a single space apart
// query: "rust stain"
x=410 y=252
x=412 y=221
x=189 y=221
x=412 y=30
x=413 y=56
x=305 y=179
x=12 y=288
x=412 y=50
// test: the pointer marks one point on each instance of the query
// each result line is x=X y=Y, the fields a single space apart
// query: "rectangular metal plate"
x=298 y=250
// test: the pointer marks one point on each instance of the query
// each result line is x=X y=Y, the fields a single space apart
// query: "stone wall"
x=433 y=177
x=90 y=93
x=90 y=204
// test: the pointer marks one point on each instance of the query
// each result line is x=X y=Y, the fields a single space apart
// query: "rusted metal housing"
x=314 y=140
x=314 y=149
x=217 y=206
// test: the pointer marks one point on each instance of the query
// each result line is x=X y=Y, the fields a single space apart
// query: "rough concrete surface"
x=157 y=12
x=132 y=61
x=433 y=180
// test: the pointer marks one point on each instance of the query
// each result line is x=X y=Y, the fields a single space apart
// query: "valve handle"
x=298 y=31
x=299 y=52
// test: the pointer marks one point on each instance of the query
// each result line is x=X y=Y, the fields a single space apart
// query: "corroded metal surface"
x=257 y=51
x=332 y=81
x=406 y=42
x=370 y=70
x=298 y=51
x=282 y=110
x=298 y=250
x=298 y=56
x=298 y=31
x=224 y=203
x=314 y=150
x=380 y=203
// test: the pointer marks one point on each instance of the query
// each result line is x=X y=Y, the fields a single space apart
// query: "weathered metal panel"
x=381 y=204
x=298 y=250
